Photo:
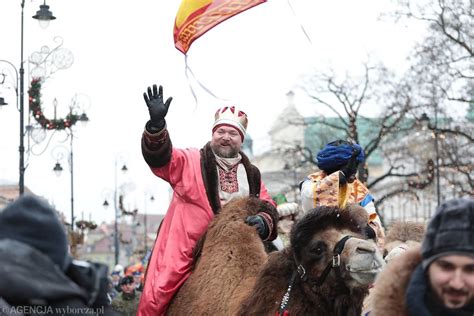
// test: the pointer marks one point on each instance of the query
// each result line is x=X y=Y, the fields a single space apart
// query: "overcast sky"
x=119 y=48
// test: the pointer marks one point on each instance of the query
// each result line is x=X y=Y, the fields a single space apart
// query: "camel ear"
x=358 y=214
x=370 y=232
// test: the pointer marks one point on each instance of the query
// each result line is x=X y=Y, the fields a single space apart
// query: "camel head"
x=330 y=246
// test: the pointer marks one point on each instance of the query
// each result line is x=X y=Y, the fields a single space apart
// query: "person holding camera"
x=38 y=275
x=336 y=183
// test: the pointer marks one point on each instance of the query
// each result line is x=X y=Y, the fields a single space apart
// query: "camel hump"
x=228 y=258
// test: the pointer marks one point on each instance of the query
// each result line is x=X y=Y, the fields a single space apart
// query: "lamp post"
x=106 y=204
x=42 y=15
x=58 y=168
x=19 y=79
x=425 y=121
x=145 y=231
x=124 y=169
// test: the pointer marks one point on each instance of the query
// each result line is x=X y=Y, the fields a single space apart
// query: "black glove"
x=260 y=225
x=156 y=107
x=350 y=169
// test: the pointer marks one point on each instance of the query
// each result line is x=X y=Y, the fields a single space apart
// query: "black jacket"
x=31 y=284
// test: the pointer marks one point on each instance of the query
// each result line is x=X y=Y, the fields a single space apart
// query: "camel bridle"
x=301 y=271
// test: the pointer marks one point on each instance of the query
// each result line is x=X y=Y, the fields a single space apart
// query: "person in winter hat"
x=126 y=303
x=437 y=279
x=37 y=271
x=336 y=183
x=203 y=181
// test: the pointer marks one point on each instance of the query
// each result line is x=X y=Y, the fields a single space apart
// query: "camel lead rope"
x=286 y=298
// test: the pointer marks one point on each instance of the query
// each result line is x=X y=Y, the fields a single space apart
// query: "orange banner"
x=196 y=17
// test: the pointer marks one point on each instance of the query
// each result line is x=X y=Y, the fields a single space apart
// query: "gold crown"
x=231 y=116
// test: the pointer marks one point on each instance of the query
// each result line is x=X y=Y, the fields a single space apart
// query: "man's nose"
x=457 y=281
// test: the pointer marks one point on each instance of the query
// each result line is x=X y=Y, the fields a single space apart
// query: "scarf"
x=232 y=179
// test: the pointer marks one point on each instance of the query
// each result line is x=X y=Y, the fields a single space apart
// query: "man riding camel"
x=202 y=181
x=336 y=183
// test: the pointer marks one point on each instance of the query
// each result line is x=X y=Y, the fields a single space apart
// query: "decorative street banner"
x=196 y=17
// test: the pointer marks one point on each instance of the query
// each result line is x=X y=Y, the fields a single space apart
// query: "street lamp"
x=425 y=122
x=3 y=79
x=20 y=81
x=145 y=232
x=19 y=104
x=106 y=204
x=58 y=170
x=43 y=15
x=124 y=170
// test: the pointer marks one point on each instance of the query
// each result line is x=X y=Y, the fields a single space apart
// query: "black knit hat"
x=33 y=222
x=450 y=231
x=128 y=279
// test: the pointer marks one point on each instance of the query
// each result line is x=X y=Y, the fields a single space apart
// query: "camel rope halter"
x=301 y=271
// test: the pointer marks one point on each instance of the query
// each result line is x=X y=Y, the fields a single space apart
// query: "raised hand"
x=156 y=107
x=350 y=169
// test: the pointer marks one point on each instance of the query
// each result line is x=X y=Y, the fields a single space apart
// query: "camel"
x=402 y=236
x=329 y=265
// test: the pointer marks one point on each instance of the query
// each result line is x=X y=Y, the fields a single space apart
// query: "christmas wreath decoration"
x=424 y=183
x=34 y=94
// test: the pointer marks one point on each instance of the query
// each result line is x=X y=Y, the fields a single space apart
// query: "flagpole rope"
x=186 y=68
x=301 y=25
x=188 y=71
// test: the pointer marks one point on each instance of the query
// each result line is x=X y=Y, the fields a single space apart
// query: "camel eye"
x=318 y=249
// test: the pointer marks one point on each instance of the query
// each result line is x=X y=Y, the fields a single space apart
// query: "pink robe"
x=186 y=220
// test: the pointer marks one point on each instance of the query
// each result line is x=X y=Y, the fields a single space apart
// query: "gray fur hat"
x=450 y=231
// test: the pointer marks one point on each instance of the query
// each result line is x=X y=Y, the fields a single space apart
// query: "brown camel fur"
x=401 y=236
x=234 y=277
x=391 y=285
x=231 y=255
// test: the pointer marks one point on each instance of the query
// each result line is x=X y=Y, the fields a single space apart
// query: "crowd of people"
x=437 y=279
